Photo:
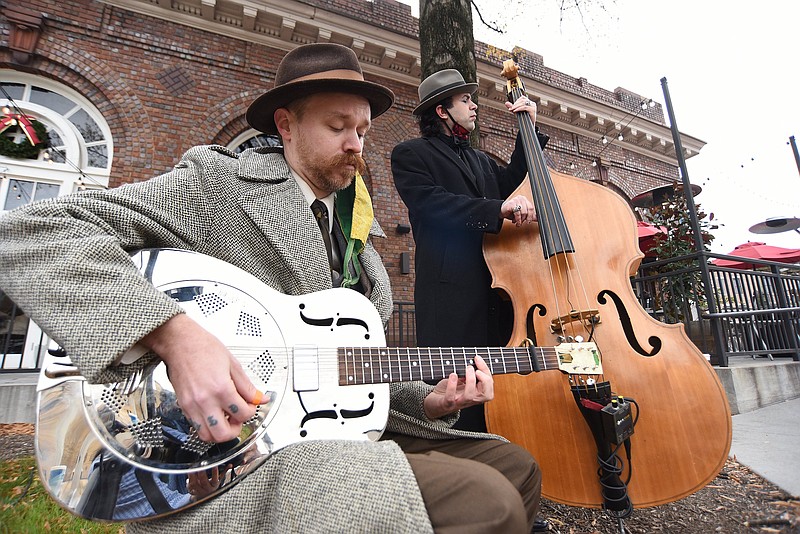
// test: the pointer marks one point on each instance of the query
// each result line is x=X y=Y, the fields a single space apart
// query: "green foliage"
x=25 y=150
x=677 y=292
x=26 y=507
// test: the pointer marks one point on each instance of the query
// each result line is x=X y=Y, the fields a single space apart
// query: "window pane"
x=86 y=126
x=13 y=327
x=57 y=155
x=20 y=192
x=55 y=139
x=44 y=191
x=259 y=141
x=59 y=104
x=14 y=90
x=98 y=156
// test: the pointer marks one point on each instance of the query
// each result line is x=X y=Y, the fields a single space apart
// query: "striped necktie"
x=321 y=213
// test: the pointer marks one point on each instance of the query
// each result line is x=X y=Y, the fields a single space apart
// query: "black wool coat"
x=452 y=202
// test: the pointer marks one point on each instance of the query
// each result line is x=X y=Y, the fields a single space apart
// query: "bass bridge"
x=588 y=318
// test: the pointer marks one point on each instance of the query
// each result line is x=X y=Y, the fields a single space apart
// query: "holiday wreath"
x=35 y=141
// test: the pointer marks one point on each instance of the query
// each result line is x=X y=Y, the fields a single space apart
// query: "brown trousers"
x=475 y=485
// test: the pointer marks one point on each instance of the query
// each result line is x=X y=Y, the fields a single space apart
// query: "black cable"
x=612 y=468
x=24 y=492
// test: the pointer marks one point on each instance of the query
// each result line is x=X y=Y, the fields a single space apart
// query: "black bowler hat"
x=440 y=85
x=316 y=68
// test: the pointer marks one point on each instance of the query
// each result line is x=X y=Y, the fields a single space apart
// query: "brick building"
x=124 y=87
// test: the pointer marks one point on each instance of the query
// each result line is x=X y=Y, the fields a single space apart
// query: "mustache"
x=350 y=159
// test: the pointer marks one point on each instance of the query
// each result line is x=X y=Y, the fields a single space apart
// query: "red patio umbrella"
x=758 y=251
x=647 y=236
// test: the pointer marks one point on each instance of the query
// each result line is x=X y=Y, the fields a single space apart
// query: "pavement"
x=767 y=440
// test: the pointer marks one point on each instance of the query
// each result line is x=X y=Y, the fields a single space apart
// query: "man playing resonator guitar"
x=66 y=263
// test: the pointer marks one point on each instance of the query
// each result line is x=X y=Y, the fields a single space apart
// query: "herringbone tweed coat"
x=65 y=262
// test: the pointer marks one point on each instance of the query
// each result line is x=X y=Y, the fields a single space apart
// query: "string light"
x=643 y=105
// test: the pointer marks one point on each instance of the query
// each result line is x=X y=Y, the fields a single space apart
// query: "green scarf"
x=354 y=208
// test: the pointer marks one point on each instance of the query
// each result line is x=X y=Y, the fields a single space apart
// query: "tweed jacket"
x=66 y=262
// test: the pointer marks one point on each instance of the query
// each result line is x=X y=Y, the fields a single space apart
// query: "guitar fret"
x=371 y=366
x=346 y=369
x=361 y=365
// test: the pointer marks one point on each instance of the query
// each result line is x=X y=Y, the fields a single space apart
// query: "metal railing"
x=757 y=311
x=401 y=330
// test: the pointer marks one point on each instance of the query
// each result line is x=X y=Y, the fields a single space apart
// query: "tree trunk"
x=446 y=41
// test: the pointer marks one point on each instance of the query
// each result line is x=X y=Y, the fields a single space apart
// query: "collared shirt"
x=311 y=197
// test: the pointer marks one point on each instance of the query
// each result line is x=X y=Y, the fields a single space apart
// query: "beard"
x=332 y=174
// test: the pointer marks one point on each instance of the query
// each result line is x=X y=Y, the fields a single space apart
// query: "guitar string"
x=408 y=368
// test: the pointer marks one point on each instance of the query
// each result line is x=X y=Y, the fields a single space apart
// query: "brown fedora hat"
x=440 y=85
x=316 y=68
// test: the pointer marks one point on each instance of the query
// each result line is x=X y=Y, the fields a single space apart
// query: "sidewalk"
x=767 y=441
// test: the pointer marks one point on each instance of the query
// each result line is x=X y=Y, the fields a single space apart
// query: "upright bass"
x=656 y=426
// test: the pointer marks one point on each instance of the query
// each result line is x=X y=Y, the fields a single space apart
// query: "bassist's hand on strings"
x=454 y=393
x=523 y=105
x=518 y=209
x=213 y=390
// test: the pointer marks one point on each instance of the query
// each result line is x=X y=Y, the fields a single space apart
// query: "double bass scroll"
x=568 y=278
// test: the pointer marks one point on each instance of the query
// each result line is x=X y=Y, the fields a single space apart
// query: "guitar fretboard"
x=375 y=365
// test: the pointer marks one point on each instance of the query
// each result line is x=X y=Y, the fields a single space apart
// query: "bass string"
x=569 y=279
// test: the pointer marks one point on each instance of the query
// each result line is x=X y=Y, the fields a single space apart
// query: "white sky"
x=732 y=74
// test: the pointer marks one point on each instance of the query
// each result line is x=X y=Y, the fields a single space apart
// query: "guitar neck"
x=375 y=365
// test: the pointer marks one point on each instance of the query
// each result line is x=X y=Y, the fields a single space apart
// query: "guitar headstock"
x=579 y=359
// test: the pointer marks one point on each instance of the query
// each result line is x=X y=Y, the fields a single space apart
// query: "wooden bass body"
x=683 y=434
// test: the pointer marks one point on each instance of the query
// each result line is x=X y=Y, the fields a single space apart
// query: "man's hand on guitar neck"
x=454 y=393
x=213 y=390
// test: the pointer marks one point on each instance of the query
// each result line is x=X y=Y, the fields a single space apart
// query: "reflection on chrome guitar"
x=124 y=451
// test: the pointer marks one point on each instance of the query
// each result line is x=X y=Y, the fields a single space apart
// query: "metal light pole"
x=794 y=149
x=716 y=327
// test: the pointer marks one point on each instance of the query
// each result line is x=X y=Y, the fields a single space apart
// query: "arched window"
x=79 y=157
x=80 y=145
x=253 y=139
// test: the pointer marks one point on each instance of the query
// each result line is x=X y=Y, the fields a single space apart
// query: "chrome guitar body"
x=124 y=451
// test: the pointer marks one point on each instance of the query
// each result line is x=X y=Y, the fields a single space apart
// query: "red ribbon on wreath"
x=23 y=122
